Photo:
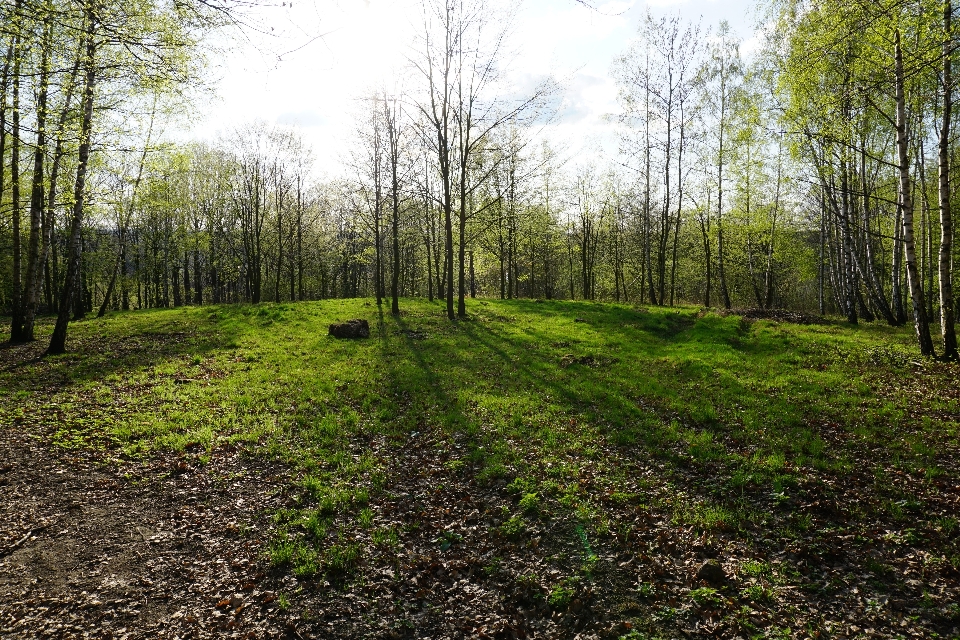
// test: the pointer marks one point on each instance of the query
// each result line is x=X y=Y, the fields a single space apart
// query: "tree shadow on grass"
x=520 y=370
x=97 y=352
x=579 y=387
x=422 y=388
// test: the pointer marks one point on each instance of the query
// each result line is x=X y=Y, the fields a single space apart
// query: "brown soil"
x=171 y=548
x=90 y=548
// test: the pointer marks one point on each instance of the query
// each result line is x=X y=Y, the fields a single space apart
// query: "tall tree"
x=946 y=221
x=725 y=73
x=58 y=339
x=914 y=281
x=17 y=311
x=393 y=118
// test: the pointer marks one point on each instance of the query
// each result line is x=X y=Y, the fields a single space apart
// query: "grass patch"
x=626 y=420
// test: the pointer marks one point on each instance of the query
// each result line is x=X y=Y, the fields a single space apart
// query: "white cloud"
x=315 y=58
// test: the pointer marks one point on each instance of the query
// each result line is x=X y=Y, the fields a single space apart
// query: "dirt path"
x=138 y=550
x=92 y=548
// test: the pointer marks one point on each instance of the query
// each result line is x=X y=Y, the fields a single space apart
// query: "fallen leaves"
x=137 y=554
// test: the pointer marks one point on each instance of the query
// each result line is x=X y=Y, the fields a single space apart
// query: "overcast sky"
x=314 y=58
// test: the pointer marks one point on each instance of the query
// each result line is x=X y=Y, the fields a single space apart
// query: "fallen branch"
x=16 y=545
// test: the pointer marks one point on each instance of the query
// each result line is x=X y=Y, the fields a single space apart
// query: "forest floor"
x=537 y=470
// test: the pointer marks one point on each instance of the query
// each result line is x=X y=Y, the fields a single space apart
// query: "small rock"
x=712 y=572
x=356 y=328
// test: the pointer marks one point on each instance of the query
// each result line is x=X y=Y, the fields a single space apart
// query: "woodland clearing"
x=540 y=469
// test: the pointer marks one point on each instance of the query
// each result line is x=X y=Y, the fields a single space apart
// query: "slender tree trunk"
x=197 y=277
x=584 y=260
x=172 y=264
x=768 y=272
x=279 y=202
x=847 y=253
x=395 y=284
x=4 y=82
x=676 y=231
x=926 y=236
x=721 y=258
x=447 y=290
x=647 y=222
x=448 y=266
x=721 y=271
x=503 y=271
x=378 y=253
x=429 y=273
x=393 y=133
x=896 y=268
x=428 y=235
x=36 y=192
x=461 y=255
x=16 y=320
x=59 y=338
x=296 y=254
x=215 y=286
x=506 y=270
x=821 y=302
x=666 y=220
x=835 y=249
x=914 y=281
x=946 y=221
x=707 y=253
x=187 y=298
x=47 y=284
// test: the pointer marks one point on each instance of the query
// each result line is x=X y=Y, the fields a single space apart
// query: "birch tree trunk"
x=946 y=222
x=847 y=252
x=914 y=281
x=71 y=281
x=896 y=269
x=4 y=82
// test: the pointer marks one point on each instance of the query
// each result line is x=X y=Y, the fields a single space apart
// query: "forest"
x=705 y=385
x=815 y=176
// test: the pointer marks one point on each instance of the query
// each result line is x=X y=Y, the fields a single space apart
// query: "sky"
x=307 y=63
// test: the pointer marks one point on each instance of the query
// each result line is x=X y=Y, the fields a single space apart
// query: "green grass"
x=706 y=596
x=539 y=400
x=560 y=596
x=664 y=379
